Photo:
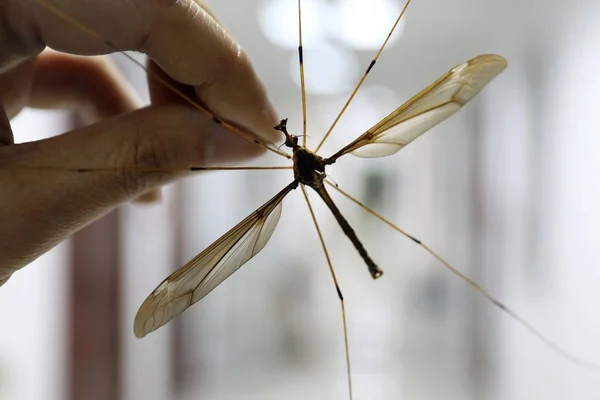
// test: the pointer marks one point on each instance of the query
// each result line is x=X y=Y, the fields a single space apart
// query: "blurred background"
x=506 y=190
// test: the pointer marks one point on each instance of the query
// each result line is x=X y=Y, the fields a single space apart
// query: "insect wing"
x=428 y=108
x=208 y=269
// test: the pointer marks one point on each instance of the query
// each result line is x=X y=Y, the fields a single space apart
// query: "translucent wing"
x=208 y=269
x=428 y=108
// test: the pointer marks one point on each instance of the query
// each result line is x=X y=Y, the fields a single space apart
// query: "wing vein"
x=426 y=109
x=207 y=270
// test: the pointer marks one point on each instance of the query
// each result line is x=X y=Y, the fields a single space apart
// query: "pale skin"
x=38 y=208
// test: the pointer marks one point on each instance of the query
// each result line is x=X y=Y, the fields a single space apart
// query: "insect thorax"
x=309 y=168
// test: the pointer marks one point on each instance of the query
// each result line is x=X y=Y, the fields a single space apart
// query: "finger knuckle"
x=145 y=160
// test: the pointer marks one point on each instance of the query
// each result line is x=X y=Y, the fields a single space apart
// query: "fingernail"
x=269 y=117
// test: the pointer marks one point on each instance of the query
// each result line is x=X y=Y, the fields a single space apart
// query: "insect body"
x=208 y=269
x=309 y=170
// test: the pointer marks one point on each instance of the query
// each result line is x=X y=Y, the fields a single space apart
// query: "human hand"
x=43 y=199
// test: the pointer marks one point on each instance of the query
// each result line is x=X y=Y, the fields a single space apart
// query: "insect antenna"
x=544 y=339
x=337 y=288
x=360 y=82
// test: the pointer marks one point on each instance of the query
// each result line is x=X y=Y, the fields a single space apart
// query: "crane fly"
x=437 y=102
x=204 y=272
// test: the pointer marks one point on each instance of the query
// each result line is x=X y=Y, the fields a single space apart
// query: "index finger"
x=180 y=36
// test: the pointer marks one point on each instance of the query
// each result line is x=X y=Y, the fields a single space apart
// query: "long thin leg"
x=121 y=169
x=549 y=343
x=337 y=288
x=302 y=84
x=369 y=68
x=158 y=78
